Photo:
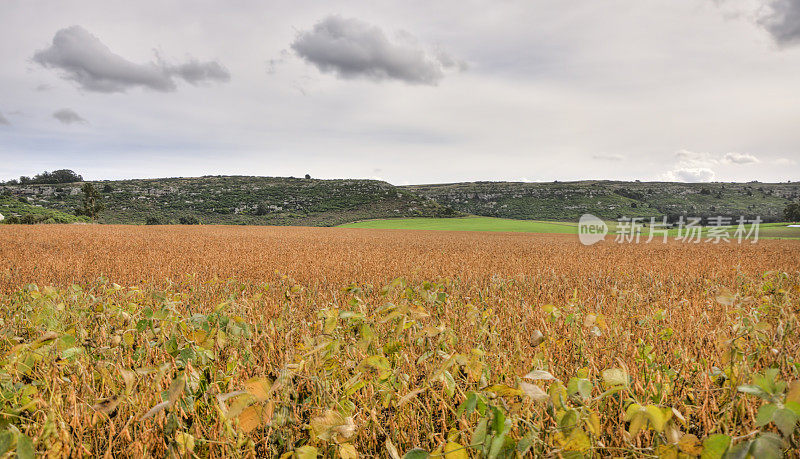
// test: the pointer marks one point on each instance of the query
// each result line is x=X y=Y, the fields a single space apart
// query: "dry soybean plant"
x=306 y=342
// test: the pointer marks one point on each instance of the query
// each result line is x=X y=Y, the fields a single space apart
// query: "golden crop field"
x=216 y=341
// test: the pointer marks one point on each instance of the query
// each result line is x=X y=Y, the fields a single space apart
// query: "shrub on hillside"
x=190 y=220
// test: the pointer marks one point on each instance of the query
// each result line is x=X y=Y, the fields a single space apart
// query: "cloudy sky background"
x=407 y=91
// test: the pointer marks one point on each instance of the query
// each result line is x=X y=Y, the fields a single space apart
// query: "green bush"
x=190 y=220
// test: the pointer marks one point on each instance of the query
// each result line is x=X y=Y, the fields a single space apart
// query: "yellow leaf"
x=331 y=320
x=533 y=391
x=332 y=425
x=539 y=375
x=794 y=392
x=250 y=418
x=239 y=404
x=306 y=452
x=690 y=444
x=558 y=393
x=503 y=390
x=613 y=377
x=130 y=380
x=577 y=441
x=176 y=389
x=258 y=388
x=656 y=417
x=667 y=452
x=637 y=422
x=725 y=297
x=633 y=410
x=346 y=430
x=377 y=363
x=185 y=443
x=593 y=423
x=454 y=450
x=348 y=451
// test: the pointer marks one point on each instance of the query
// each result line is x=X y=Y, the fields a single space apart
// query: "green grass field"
x=469 y=224
x=767 y=230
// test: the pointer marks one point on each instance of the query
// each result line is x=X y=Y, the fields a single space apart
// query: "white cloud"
x=694 y=166
x=608 y=157
x=699 y=174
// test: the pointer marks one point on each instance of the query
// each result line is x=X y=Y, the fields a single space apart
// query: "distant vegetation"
x=91 y=204
x=59 y=176
x=792 y=212
x=242 y=200
x=567 y=201
x=16 y=211
x=231 y=200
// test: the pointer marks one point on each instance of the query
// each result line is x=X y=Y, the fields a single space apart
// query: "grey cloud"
x=272 y=64
x=3 y=120
x=782 y=21
x=195 y=72
x=688 y=155
x=350 y=48
x=692 y=159
x=68 y=116
x=740 y=158
x=83 y=58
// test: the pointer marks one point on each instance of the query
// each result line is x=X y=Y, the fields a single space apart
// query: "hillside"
x=236 y=200
x=312 y=202
x=15 y=211
x=567 y=201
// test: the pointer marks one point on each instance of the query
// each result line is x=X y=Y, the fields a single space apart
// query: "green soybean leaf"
x=24 y=447
x=785 y=419
x=767 y=446
x=416 y=453
x=765 y=414
x=714 y=447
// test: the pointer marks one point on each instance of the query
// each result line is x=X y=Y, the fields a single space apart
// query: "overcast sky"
x=405 y=91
